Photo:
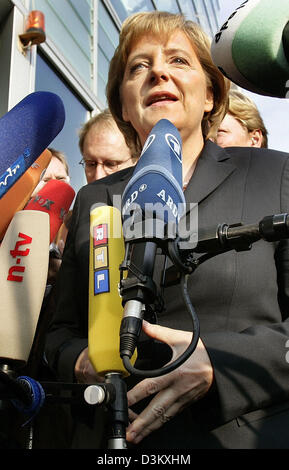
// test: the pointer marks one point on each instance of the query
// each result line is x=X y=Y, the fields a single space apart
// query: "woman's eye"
x=136 y=67
x=180 y=60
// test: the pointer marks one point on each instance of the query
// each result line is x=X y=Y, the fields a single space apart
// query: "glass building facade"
x=81 y=36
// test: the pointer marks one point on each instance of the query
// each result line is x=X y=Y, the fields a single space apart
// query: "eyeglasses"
x=109 y=166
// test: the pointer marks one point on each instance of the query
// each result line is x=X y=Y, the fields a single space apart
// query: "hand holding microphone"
x=154 y=195
x=173 y=391
x=156 y=191
x=84 y=371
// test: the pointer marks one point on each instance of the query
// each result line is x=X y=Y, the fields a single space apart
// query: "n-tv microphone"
x=24 y=261
x=25 y=132
x=24 y=255
x=18 y=196
x=55 y=198
x=152 y=204
x=252 y=47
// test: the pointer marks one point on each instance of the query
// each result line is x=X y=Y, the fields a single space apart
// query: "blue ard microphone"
x=25 y=132
x=155 y=189
x=152 y=204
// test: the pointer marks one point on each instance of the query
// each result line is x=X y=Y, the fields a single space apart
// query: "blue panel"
x=101 y=281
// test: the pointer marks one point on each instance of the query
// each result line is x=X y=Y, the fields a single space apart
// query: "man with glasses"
x=103 y=147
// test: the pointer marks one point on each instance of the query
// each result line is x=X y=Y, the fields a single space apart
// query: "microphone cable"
x=186 y=354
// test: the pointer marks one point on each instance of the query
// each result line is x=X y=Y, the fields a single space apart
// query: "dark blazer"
x=241 y=299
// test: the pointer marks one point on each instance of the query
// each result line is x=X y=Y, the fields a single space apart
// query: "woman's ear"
x=124 y=113
x=209 y=102
x=256 y=137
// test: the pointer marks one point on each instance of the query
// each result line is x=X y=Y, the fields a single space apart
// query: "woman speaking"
x=233 y=390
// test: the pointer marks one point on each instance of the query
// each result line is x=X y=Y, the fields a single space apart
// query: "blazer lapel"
x=115 y=190
x=212 y=169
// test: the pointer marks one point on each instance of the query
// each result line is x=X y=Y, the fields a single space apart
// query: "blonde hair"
x=163 y=24
x=246 y=112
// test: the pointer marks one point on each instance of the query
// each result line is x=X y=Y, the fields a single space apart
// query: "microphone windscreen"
x=156 y=184
x=18 y=196
x=105 y=303
x=25 y=132
x=251 y=48
x=55 y=198
x=24 y=255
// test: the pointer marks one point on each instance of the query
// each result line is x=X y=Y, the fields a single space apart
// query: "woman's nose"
x=159 y=72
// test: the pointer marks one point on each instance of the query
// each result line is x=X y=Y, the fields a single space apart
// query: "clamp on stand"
x=118 y=411
x=27 y=395
x=210 y=242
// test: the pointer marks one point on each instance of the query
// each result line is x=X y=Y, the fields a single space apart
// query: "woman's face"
x=165 y=80
x=231 y=133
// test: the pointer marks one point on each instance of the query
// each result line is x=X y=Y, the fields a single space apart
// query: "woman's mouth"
x=161 y=98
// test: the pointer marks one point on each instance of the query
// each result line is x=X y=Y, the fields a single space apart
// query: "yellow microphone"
x=105 y=303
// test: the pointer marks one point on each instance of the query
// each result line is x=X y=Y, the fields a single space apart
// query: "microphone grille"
x=28 y=128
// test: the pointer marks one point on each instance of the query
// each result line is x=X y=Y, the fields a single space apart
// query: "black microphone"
x=152 y=205
x=240 y=237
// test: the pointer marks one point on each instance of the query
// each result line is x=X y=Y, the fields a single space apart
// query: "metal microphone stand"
x=118 y=411
x=112 y=394
x=210 y=242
